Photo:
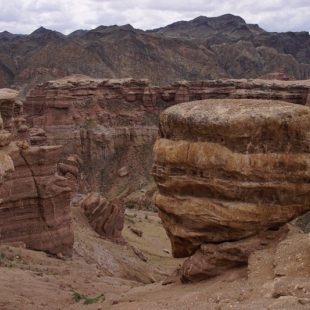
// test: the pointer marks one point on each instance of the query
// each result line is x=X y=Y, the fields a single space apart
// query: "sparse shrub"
x=130 y=205
x=129 y=218
x=88 y=103
x=87 y=301
x=91 y=123
x=147 y=205
x=77 y=296
x=146 y=217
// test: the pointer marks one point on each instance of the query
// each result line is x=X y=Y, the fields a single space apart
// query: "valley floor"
x=109 y=276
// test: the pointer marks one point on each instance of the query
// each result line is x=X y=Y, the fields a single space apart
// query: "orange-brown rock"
x=37 y=136
x=105 y=122
x=10 y=120
x=34 y=206
x=34 y=199
x=112 y=123
x=69 y=167
x=6 y=166
x=106 y=217
x=214 y=259
x=230 y=169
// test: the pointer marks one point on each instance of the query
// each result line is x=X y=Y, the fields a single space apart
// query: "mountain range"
x=202 y=48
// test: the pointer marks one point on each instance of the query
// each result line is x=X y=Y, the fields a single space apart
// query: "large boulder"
x=230 y=169
x=106 y=217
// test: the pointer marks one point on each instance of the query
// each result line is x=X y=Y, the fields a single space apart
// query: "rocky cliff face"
x=227 y=170
x=112 y=124
x=203 y=48
x=109 y=124
x=34 y=199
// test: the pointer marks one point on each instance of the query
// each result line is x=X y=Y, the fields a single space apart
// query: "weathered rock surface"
x=106 y=217
x=12 y=125
x=105 y=122
x=69 y=167
x=37 y=136
x=230 y=169
x=108 y=122
x=6 y=167
x=34 y=199
x=214 y=259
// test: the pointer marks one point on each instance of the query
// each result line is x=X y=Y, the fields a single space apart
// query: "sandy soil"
x=113 y=277
x=36 y=280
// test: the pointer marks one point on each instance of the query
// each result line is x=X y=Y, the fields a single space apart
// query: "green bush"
x=130 y=205
x=77 y=296
x=87 y=301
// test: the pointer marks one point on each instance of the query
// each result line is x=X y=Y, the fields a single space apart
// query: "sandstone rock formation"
x=69 y=167
x=106 y=217
x=112 y=123
x=214 y=259
x=230 y=169
x=34 y=199
x=106 y=123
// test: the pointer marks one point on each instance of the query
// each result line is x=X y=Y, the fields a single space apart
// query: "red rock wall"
x=107 y=123
x=113 y=123
x=34 y=199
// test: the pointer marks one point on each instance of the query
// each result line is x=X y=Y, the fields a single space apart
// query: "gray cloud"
x=24 y=16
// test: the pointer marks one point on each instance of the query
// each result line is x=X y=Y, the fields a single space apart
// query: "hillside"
x=203 y=48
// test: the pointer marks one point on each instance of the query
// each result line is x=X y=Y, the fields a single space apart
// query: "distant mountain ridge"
x=202 y=27
x=202 y=48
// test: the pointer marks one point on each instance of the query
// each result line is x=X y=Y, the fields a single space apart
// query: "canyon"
x=92 y=139
x=108 y=122
x=106 y=129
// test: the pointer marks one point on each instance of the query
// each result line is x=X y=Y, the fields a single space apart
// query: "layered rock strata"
x=107 y=122
x=230 y=169
x=214 y=259
x=106 y=217
x=79 y=92
x=34 y=199
x=69 y=167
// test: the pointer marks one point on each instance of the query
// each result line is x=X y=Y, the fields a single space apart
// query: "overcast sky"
x=24 y=16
